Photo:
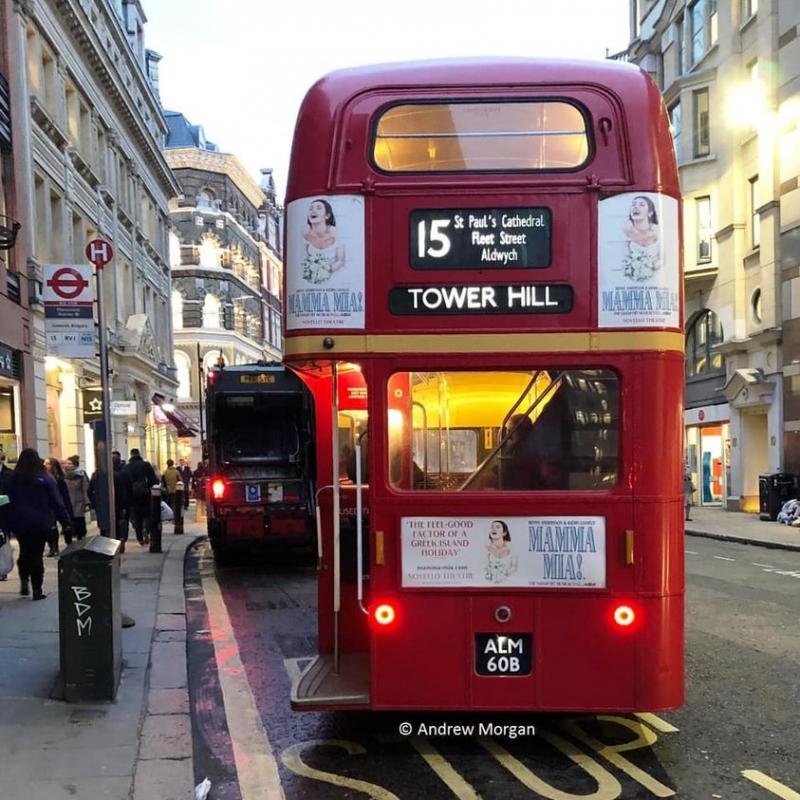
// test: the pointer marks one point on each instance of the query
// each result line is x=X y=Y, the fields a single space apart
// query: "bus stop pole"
x=105 y=386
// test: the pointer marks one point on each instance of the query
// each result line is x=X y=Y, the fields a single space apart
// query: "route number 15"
x=439 y=241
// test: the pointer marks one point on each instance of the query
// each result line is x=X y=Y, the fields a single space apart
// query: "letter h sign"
x=99 y=252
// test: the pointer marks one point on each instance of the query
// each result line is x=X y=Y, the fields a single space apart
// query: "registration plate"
x=503 y=653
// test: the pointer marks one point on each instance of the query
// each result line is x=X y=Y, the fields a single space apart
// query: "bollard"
x=90 y=619
x=178 y=506
x=155 y=519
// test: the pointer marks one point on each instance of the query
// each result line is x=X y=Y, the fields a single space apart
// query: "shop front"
x=10 y=403
x=708 y=453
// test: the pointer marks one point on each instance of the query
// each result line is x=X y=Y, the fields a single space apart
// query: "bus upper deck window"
x=487 y=136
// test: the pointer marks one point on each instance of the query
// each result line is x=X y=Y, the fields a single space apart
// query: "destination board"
x=480 y=238
x=550 y=298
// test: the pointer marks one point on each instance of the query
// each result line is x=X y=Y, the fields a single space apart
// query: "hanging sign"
x=69 y=316
x=92 y=404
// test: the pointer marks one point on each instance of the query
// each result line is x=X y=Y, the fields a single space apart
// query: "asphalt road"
x=252 y=628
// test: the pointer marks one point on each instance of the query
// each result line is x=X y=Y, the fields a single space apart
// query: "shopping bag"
x=6 y=559
x=166 y=512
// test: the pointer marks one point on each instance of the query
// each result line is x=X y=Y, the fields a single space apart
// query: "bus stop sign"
x=99 y=252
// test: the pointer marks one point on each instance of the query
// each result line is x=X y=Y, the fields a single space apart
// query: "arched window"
x=211 y=312
x=177 y=310
x=205 y=199
x=183 y=367
x=704 y=333
x=209 y=252
x=210 y=359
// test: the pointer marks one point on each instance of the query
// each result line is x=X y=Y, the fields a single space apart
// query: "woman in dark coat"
x=35 y=505
x=54 y=470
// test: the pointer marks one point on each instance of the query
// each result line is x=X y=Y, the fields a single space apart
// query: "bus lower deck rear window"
x=486 y=136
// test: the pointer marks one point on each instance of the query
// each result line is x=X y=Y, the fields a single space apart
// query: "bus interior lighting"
x=384 y=614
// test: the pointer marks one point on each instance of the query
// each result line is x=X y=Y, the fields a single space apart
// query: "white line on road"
x=256 y=766
x=723 y=558
x=766 y=566
x=770 y=784
x=691 y=552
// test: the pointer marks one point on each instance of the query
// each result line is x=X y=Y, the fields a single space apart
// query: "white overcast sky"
x=240 y=68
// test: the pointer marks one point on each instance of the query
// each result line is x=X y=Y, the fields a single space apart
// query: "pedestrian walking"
x=186 y=476
x=688 y=490
x=142 y=477
x=53 y=468
x=170 y=480
x=123 y=499
x=78 y=487
x=35 y=505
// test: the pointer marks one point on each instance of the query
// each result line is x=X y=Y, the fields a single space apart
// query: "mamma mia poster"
x=325 y=262
x=637 y=261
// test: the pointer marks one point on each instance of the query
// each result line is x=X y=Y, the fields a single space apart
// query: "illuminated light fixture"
x=746 y=105
x=384 y=614
x=624 y=616
x=218 y=489
x=395 y=421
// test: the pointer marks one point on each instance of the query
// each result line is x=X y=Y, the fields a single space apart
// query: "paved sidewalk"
x=734 y=526
x=136 y=747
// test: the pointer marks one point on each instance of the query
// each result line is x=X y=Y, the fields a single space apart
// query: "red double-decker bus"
x=483 y=292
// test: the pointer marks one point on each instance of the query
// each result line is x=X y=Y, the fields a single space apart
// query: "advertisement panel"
x=637 y=261
x=562 y=552
x=325 y=262
x=68 y=297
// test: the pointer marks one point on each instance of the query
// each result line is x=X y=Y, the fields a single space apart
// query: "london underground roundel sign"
x=99 y=252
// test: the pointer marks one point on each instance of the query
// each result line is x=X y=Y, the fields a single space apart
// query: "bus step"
x=319 y=685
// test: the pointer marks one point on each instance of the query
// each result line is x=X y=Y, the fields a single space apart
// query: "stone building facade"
x=87 y=129
x=226 y=265
x=16 y=393
x=729 y=71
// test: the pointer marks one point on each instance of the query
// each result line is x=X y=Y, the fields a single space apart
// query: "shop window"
x=704 y=334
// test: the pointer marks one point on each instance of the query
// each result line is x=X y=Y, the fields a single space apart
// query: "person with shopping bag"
x=34 y=506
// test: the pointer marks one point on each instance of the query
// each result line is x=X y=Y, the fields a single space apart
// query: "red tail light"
x=384 y=614
x=624 y=616
x=218 y=489
x=213 y=374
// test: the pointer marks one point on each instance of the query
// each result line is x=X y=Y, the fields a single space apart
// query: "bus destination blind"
x=540 y=298
x=480 y=238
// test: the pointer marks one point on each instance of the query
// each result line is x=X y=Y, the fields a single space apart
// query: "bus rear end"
x=484 y=296
x=261 y=459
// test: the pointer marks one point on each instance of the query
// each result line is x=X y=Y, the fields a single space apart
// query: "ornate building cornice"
x=221 y=163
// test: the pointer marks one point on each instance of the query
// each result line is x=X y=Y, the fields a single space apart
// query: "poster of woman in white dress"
x=325 y=262
x=638 y=262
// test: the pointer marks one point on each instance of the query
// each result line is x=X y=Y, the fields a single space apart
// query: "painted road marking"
x=766 y=566
x=723 y=558
x=608 y=787
x=645 y=738
x=691 y=552
x=656 y=722
x=444 y=769
x=291 y=760
x=256 y=767
x=770 y=784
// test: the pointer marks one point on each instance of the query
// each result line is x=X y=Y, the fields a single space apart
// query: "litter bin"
x=90 y=619
x=774 y=490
